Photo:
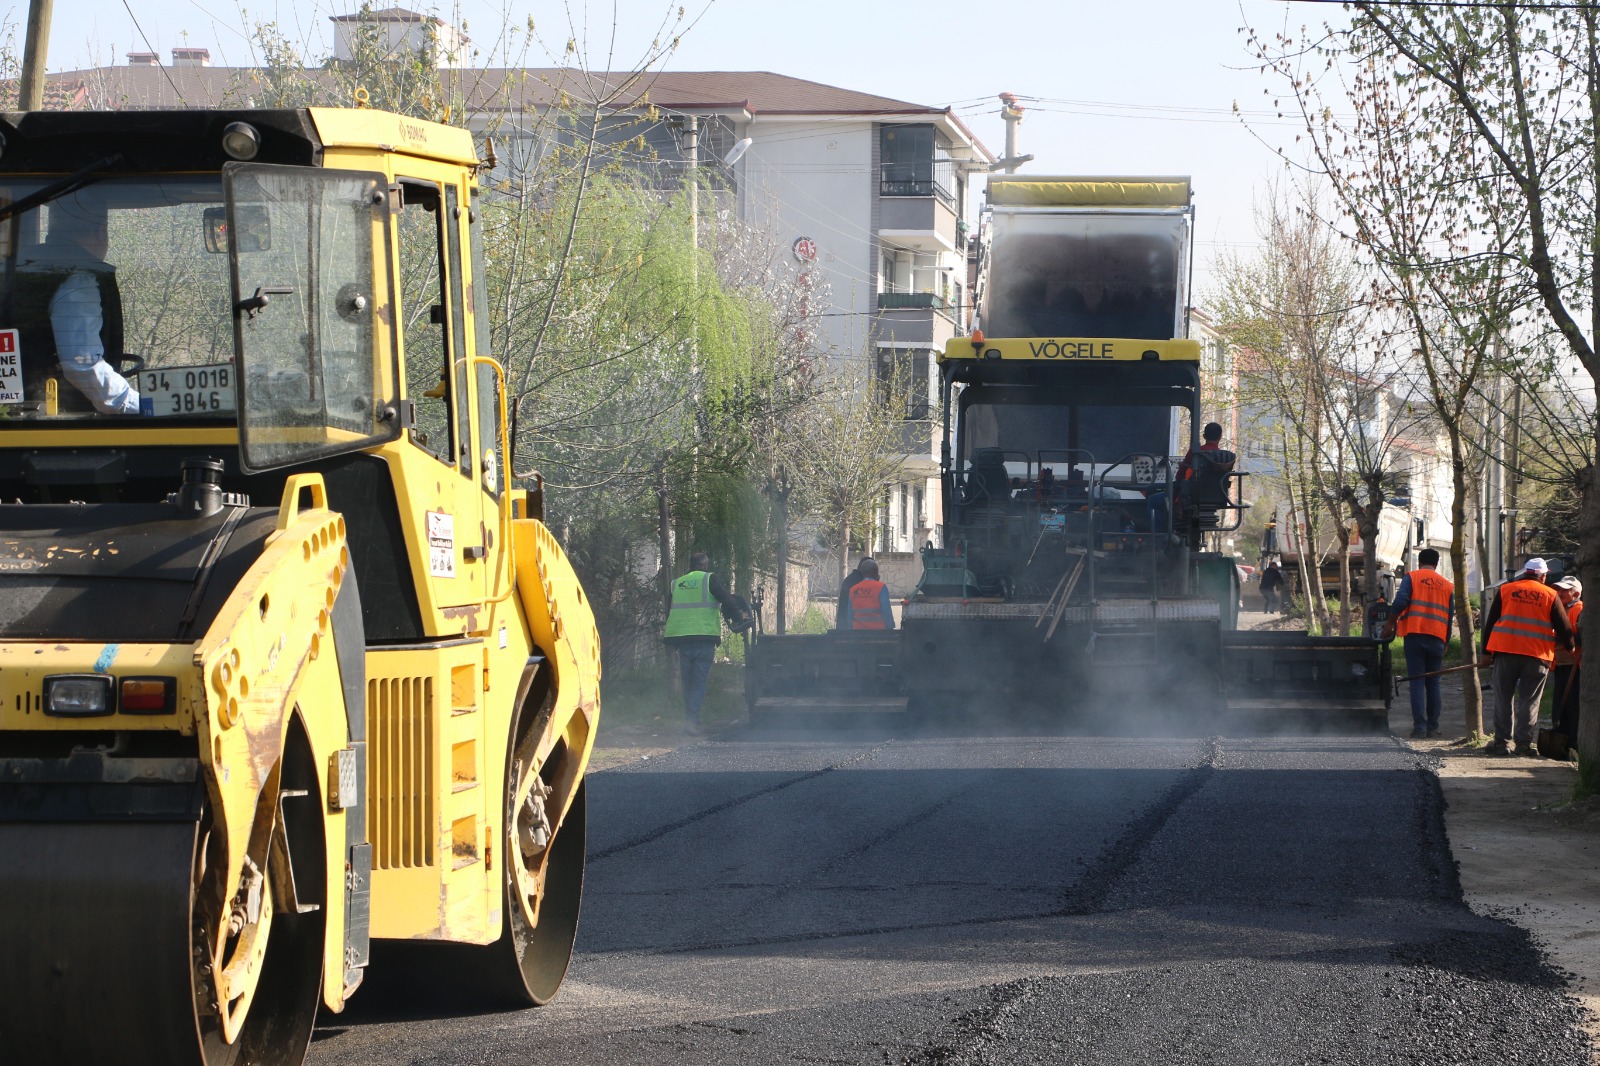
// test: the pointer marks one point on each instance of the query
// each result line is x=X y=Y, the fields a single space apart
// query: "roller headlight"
x=79 y=696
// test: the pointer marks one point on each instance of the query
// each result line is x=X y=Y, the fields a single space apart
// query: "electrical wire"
x=1579 y=6
x=151 y=48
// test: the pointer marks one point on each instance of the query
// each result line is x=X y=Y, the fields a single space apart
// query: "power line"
x=151 y=48
x=1577 y=5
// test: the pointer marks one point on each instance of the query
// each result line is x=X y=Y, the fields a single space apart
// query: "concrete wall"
x=809 y=177
x=919 y=213
x=799 y=595
x=899 y=570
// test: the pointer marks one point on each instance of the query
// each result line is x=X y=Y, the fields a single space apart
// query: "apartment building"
x=866 y=194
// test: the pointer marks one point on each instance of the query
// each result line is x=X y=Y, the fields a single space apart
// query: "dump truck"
x=1072 y=574
x=288 y=666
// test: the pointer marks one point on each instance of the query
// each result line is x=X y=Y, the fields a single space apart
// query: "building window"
x=914 y=162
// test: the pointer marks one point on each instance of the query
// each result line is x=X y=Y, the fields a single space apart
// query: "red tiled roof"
x=387 y=14
x=514 y=89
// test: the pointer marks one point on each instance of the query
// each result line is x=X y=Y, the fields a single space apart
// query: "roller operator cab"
x=286 y=663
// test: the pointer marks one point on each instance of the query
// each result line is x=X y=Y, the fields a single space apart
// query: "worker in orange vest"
x=1520 y=636
x=869 y=600
x=1422 y=614
x=1568 y=675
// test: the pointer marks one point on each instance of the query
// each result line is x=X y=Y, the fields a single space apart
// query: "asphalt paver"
x=1021 y=899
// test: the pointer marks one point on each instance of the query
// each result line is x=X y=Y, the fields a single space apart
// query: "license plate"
x=176 y=391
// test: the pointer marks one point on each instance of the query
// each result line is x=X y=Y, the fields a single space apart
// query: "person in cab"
x=68 y=312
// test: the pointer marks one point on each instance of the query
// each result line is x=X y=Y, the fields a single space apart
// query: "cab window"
x=423 y=319
x=458 y=326
x=490 y=458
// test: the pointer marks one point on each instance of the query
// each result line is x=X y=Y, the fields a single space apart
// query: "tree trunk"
x=1589 y=567
x=1366 y=519
x=1302 y=535
x=1471 y=693
x=1341 y=530
x=664 y=535
x=1369 y=572
x=844 y=549
x=781 y=498
x=1344 y=580
x=1480 y=524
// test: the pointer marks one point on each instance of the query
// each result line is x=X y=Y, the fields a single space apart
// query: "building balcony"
x=889 y=301
x=916 y=318
x=914 y=439
x=918 y=223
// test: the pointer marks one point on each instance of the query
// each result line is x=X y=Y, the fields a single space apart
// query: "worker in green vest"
x=694 y=629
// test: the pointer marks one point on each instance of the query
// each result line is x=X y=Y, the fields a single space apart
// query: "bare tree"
x=1297 y=309
x=1469 y=168
x=845 y=448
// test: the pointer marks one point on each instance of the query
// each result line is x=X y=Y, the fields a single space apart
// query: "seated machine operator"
x=1211 y=441
x=1202 y=476
x=987 y=480
x=68 y=311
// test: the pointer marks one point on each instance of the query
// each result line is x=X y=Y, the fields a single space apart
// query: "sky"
x=1131 y=87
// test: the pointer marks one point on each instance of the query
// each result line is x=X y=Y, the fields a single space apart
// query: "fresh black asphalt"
x=778 y=898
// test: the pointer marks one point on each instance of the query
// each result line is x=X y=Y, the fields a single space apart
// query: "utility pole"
x=780 y=497
x=1011 y=111
x=1513 y=475
x=691 y=155
x=1494 y=500
x=34 y=49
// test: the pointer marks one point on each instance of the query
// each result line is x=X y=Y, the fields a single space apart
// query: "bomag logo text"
x=1054 y=349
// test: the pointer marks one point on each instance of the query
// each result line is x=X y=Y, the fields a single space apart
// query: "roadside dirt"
x=618 y=747
x=1526 y=852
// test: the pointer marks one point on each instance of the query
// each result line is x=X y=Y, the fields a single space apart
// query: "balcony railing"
x=892 y=301
x=915 y=436
x=918 y=179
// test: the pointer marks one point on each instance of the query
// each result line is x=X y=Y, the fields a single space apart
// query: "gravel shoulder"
x=1526 y=853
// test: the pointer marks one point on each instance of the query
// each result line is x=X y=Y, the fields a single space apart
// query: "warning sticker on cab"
x=441 y=544
x=10 y=367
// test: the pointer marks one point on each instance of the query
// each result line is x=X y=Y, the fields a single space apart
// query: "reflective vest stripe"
x=1428 y=613
x=694 y=610
x=1524 y=625
x=866 y=606
x=1574 y=613
x=1541 y=632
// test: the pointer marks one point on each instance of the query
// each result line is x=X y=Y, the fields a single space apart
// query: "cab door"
x=445 y=506
x=311 y=299
x=494 y=475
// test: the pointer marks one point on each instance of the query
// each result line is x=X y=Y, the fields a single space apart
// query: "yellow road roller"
x=287 y=665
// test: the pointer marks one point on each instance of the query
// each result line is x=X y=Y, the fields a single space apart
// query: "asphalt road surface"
x=768 y=899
